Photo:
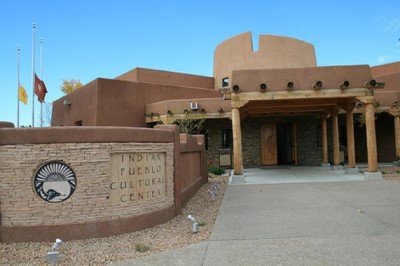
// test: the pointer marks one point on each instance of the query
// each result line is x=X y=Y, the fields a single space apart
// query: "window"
x=225 y=82
x=319 y=136
x=227 y=139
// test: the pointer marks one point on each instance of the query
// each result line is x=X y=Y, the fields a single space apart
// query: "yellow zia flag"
x=23 y=97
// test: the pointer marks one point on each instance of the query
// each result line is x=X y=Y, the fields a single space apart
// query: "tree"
x=190 y=125
x=71 y=85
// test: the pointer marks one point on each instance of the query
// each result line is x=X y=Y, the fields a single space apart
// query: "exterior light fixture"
x=236 y=88
x=263 y=87
x=170 y=113
x=67 y=102
x=53 y=255
x=220 y=110
x=344 y=85
x=317 y=85
x=289 y=86
x=203 y=111
x=195 y=225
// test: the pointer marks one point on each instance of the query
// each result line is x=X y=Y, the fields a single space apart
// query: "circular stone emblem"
x=54 y=182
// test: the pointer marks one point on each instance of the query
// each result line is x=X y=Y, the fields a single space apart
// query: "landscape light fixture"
x=195 y=225
x=53 y=255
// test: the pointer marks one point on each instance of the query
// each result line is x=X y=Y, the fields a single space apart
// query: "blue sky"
x=104 y=38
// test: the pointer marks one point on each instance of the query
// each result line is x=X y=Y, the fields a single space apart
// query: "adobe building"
x=273 y=106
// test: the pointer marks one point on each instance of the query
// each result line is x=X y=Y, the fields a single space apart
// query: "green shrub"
x=142 y=247
x=215 y=170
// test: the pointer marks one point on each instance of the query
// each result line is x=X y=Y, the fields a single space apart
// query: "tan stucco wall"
x=107 y=102
x=167 y=78
x=303 y=78
x=237 y=53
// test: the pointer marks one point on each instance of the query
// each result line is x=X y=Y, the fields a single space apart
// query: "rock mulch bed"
x=173 y=234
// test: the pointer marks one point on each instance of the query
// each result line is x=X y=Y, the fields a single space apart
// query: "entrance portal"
x=278 y=144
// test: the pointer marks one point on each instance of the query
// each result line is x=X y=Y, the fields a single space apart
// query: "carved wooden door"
x=269 y=155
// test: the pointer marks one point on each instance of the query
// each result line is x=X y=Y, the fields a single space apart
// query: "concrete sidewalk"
x=309 y=223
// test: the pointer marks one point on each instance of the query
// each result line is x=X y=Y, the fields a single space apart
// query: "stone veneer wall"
x=215 y=127
x=96 y=208
x=308 y=152
x=90 y=201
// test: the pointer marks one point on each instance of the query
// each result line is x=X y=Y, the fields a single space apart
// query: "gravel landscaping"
x=173 y=234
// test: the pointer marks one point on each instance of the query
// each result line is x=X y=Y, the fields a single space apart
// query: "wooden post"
x=351 y=153
x=237 y=142
x=335 y=134
x=397 y=135
x=371 y=137
x=324 y=139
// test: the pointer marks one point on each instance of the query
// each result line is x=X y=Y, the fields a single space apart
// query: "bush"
x=142 y=247
x=215 y=170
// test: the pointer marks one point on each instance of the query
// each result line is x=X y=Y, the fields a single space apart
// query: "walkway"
x=307 y=223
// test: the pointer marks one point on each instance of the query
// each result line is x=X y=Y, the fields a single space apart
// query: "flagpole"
x=18 y=49
x=41 y=76
x=33 y=74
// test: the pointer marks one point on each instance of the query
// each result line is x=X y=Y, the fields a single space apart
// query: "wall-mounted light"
x=203 y=111
x=344 y=85
x=170 y=113
x=220 y=110
x=67 y=102
x=317 y=85
x=194 y=106
x=262 y=87
x=186 y=111
x=236 y=88
x=289 y=86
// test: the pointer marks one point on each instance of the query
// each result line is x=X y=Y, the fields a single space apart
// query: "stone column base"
x=352 y=171
x=325 y=165
x=396 y=163
x=237 y=179
x=337 y=167
x=372 y=175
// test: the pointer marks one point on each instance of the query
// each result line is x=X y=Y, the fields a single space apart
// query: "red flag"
x=40 y=89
